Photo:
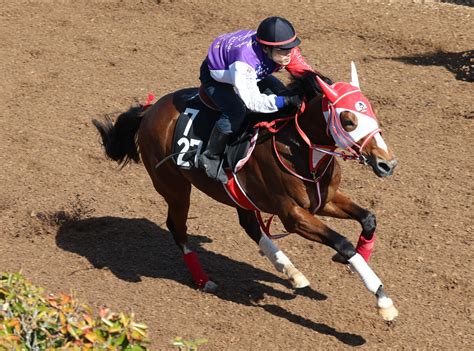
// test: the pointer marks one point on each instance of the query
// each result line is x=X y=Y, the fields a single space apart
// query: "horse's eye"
x=349 y=124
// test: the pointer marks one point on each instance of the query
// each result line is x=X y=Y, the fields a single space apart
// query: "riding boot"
x=211 y=159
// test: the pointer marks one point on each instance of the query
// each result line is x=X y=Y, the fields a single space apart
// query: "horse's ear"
x=354 y=76
x=327 y=90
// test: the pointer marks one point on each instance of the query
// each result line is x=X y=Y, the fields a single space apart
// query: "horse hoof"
x=386 y=309
x=299 y=281
x=339 y=259
x=210 y=287
x=388 y=314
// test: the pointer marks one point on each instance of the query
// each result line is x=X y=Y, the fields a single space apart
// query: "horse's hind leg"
x=176 y=190
x=341 y=206
x=280 y=261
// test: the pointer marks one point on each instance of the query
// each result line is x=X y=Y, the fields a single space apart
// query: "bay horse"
x=292 y=173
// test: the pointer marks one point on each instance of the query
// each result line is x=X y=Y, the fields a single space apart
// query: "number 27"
x=188 y=143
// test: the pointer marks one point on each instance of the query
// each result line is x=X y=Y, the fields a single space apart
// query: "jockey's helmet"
x=277 y=32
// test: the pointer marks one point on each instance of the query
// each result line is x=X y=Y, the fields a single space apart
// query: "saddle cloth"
x=194 y=127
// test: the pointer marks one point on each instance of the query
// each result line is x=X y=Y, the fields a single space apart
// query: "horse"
x=292 y=173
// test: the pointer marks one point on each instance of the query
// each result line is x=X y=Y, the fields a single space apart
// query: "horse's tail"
x=120 y=139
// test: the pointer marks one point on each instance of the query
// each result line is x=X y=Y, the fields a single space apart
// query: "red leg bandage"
x=365 y=247
x=199 y=276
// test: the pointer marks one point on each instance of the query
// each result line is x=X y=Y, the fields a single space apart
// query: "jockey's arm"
x=244 y=79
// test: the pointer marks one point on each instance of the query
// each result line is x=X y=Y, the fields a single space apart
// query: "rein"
x=271 y=127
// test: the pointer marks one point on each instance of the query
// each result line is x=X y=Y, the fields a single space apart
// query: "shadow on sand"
x=459 y=63
x=132 y=248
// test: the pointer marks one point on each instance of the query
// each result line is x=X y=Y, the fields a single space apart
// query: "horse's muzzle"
x=381 y=167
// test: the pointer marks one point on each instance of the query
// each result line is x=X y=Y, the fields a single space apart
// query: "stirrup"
x=221 y=174
x=214 y=169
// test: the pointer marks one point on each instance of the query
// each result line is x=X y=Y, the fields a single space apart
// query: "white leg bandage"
x=273 y=253
x=370 y=279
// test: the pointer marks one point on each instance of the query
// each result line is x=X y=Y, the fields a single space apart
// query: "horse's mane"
x=307 y=86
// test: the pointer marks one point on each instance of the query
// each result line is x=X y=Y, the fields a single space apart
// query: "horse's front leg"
x=341 y=206
x=302 y=222
x=280 y=261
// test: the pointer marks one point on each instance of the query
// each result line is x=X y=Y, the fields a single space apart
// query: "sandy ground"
x=65 y=62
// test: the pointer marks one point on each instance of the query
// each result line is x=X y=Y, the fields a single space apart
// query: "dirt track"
x=66 y=62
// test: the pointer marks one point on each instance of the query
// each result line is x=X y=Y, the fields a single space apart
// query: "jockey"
x=237 y=69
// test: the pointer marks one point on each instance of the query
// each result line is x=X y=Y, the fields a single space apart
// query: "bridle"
x=353 y=155
x=354 y=148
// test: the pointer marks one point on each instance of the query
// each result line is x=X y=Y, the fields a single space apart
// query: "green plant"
x=31 y=320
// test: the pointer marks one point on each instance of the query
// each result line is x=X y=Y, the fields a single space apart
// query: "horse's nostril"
x=384 y=166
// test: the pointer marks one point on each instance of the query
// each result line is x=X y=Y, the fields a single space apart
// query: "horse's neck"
x=314 y=125
x=292 y=144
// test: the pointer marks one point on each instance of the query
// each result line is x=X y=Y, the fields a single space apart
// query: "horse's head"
x=353 y=125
